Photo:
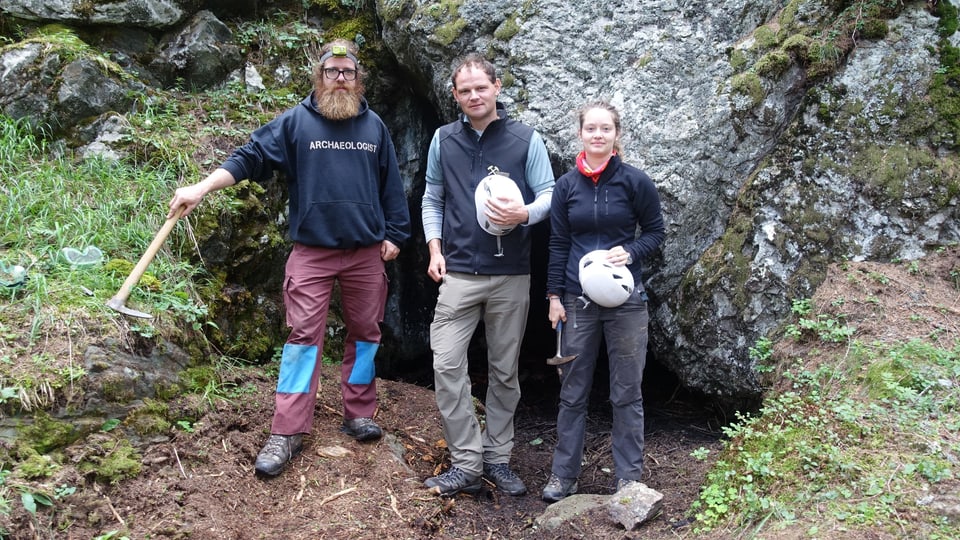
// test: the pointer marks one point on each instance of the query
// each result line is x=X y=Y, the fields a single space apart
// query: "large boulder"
x=201 y=54
x=56 y=85
x=759 y=191
x=145 y=13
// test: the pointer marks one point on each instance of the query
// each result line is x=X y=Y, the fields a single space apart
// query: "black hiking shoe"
x=506 y=480
x=278 y=450
x=362 y=429
x=452 y=482
x=559 y=488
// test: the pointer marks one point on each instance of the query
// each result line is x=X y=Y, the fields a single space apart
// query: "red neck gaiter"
x=586 y=170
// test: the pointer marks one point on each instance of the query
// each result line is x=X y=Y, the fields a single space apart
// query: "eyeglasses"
x=334 y=73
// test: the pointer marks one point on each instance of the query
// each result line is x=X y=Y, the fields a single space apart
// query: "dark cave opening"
x=667 y=403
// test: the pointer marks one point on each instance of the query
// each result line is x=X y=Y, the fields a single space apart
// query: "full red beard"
x=336 y=104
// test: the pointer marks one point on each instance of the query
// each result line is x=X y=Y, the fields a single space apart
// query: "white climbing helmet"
x=602 y=282
x=494 y=186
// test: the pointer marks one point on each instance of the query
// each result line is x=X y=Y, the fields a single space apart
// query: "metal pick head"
x=560 y=360
x=117 y=305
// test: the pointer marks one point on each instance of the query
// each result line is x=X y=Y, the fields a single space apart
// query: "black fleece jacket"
x=585 y=217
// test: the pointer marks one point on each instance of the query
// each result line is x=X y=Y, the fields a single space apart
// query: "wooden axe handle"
x=147 y=257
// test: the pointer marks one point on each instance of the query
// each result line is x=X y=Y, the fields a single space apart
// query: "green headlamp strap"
x=340 y=51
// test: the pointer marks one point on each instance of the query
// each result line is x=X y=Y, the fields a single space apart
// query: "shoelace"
x=275 y=445
x=454 y=476
x=556 y=483
x=500 y=470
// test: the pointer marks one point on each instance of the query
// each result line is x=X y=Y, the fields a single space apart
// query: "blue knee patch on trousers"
x=363 y=370
x=296 y=368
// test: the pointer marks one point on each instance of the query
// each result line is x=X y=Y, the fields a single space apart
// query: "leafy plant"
x=828 y=328
x=823 y=451
x=30 y=500
x=801 y=306
x=761 y=353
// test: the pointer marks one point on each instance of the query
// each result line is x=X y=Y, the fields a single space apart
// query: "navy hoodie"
x=343 y=179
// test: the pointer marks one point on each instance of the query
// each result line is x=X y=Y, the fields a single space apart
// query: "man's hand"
x=437 y=268
x=188 y=197
x=388 y=251
x=505 y=212
x=438 y=265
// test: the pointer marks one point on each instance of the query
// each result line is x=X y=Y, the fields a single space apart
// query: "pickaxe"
x=558 y=359
x=119 y=300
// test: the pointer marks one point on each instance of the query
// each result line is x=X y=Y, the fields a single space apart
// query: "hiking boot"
x=622 y=483
x=362 y=429
x=558 y=488
x=278 y=450
x=505 y=479
x=452 y=482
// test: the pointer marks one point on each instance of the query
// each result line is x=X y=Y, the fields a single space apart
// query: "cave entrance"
x=667 y=404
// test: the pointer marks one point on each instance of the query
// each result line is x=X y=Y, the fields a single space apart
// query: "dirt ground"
x=201 y=485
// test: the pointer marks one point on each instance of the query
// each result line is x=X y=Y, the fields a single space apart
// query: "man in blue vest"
x=481 y=276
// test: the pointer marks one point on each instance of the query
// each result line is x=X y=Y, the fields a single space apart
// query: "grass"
x=858 y=439
x=53 y=198
x=50 y=201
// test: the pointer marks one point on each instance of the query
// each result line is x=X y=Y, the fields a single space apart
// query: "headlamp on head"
x=339 y=51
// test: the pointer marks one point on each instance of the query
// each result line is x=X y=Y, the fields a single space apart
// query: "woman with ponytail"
x=604 y=213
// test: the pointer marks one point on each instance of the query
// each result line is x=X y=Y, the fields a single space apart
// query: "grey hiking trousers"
x=625 y=330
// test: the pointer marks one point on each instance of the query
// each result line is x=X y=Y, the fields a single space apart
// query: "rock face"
x=147 y=13
x=760 y=190
x=202 y=53
x=775 y=150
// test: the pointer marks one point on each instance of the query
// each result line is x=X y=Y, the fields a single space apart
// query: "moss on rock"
x=507 y=29
x=109 y=459
x=47 y=433
x=772 y=64
x=738 y=60
x=446 y=34
x=33 y=465
x=765 y=37
x=149 y=419
x=749 y=84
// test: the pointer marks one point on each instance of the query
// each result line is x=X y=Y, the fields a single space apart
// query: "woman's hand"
x=618 y=256
x=557 y=312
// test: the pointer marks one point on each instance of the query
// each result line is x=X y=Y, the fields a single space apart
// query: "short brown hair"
x=477 y=61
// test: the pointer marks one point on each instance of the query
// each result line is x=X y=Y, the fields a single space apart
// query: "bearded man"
x=348 y=216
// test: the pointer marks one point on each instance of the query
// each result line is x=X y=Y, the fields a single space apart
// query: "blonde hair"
x=614 y=113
